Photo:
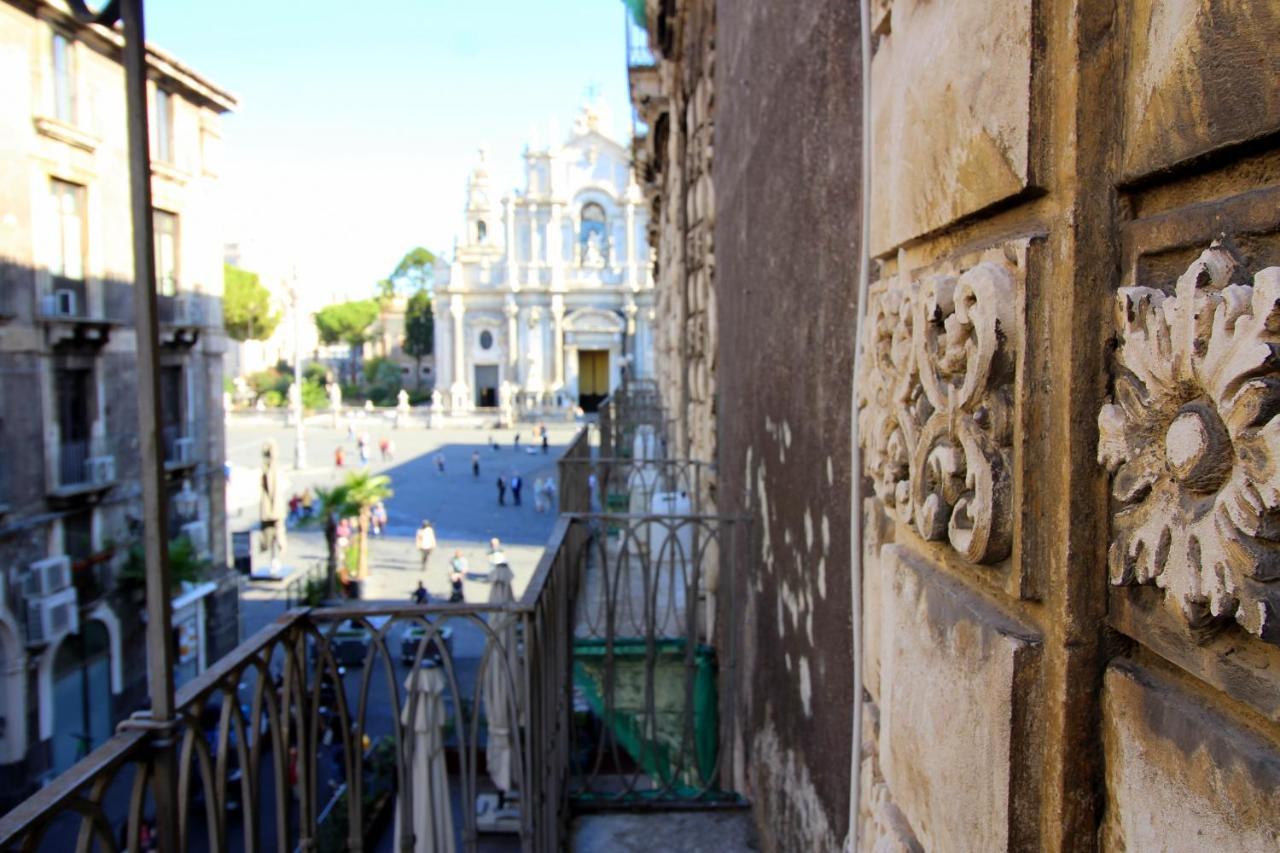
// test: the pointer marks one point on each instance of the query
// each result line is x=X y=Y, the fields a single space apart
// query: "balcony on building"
x=69 y=317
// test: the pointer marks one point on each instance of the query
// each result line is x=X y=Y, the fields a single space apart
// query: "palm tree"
x=334 y=504
x=363 y=491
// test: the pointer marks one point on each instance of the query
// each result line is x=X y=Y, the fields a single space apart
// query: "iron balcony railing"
x=83 y=463
x=608 y=682
x=633 y=408
x=178 y=441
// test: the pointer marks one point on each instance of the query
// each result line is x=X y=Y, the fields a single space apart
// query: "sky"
x=358 y=122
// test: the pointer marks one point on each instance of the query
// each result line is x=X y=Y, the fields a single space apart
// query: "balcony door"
x=81 y=694
x=75 y=407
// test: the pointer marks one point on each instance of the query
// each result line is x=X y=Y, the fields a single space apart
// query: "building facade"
x=1038 y=608
x=548 y=300
x=71 y=649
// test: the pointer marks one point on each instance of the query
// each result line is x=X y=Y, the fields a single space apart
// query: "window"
x=486 y=339
x=166 y=228
x=592 y=238
x=67 y=260
x=164 y=126
x=482 y=231
x=64 y=92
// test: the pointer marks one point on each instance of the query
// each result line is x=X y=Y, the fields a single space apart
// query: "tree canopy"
x=246 y=306
x=414 y=272
x=419 y=329
x=347 y=322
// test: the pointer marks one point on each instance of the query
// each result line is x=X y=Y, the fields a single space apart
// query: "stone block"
x=958 y=680
x=1201 y=74
x=876 y=531
x=1181 y=774
x=951 y=89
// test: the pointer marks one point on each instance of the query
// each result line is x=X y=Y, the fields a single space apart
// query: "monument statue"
x=335 y=401
x=271 y=506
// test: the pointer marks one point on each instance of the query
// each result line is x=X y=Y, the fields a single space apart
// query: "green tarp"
x=684 y=762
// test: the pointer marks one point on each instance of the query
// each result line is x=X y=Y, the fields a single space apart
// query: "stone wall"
x=1066 y=408
x=681 y=192
x=1065 y=414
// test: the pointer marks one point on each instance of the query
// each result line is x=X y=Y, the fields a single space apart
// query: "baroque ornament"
x=935 y=406
x=1192 y=439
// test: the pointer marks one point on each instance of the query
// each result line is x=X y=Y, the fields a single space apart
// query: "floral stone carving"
x=1192 y=439
x=935 y=406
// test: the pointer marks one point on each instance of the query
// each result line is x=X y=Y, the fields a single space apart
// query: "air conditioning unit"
x=64 y=303
x=102 y=470
x=198 y=533
x=51 y=617
x=45 y=577
x=184 y=450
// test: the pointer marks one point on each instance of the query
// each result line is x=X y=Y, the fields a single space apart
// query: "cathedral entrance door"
x=487 y=386
x=593 y=378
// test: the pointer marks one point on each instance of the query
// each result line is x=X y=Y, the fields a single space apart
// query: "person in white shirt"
x=426 y=542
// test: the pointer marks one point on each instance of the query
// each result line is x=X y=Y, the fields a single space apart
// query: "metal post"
x=155 y=510
x=299 y=434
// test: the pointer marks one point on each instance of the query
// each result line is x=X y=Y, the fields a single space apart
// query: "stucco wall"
x=786 y=176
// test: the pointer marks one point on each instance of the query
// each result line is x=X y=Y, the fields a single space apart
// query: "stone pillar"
x=535 y=246
x=513 y=340
x=632 y=281
x=460 y=390
x=557 y=341
x=554 y=249
x=513 y=278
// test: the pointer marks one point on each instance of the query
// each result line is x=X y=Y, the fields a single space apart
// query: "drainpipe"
x=855 y=513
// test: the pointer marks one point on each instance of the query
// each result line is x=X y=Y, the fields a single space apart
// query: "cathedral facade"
x=548 y=300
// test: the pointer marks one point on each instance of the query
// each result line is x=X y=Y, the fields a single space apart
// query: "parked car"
x=442 y=643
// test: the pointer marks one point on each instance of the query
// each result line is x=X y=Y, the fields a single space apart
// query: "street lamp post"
x=299 y=434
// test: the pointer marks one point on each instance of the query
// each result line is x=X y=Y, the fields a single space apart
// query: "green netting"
x=636 y=8
x=657 y=744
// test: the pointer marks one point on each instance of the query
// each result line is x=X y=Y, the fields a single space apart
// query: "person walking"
x=475 y=464
x=457 y=572
x=440 y=464
x=515 y=444
x=363 y=444
x=502 y=490
x=384 y=448
x=420 y=595
x=307 y=502
x=516 y=485
x=425 y=540
x=379 y=515
x=545 y=445
x=339 y=456
x=537 y=495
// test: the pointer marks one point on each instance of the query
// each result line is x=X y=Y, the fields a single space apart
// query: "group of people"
x=425 y=540
x=364 y=445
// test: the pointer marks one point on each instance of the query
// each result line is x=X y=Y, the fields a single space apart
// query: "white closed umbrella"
x=428 y=794
x=501 y=673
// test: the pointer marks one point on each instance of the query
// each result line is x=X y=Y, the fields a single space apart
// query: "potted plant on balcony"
x=185 y=566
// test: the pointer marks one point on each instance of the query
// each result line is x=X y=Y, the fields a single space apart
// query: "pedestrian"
x=363 y=444
x=537 y=495
x=295 y=506
x=497 y=557
x=339 y=456
x=384 y=447
x=308 y=502
x=515 y=443
x=440 y=464
x=426 y=542
x=493 y=443
x=545 y=446
x=475 y=464
x=516 y=485
x=379 y=516
x=457 y=571
x=420 y=595
x=502 y=490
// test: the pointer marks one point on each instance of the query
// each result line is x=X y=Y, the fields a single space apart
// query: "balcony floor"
x=678 y=832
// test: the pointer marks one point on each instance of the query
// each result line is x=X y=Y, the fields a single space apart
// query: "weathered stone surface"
x=694 y=832
x=877 y=531
x=1180 y=774
x=957 y=678
x=1193 y=440
x=951 y=88
x=1201 y=74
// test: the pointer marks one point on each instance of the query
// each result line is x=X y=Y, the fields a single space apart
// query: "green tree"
x=246 y=306
x=363 y=491
x=349 y=323
x=419 y=330
x=414 y=272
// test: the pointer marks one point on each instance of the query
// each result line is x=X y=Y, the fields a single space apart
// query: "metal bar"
x=155 y=511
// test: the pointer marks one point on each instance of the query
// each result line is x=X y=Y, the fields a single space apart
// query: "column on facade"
x=459 y=390
x=557 y=340
x=513 y=340
x=631 y=245
x=535 y=245
x=554 y=247
x=536 y=378
x=513 y=276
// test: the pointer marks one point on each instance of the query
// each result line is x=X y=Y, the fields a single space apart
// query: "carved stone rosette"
x=935 y=406
x=1192 y=439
